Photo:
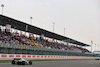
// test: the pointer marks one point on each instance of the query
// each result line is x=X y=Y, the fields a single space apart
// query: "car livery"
x=21 y=61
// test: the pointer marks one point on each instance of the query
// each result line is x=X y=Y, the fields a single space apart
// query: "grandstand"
x=19 y=43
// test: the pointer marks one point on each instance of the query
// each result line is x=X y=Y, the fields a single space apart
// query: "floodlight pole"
x=95 y=46
x=91 y=45
x=64 y=31
x=31 y=19
x=53 y=26
x=2 y=8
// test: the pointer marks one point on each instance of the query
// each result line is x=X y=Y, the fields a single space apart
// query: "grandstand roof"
x=33 y=29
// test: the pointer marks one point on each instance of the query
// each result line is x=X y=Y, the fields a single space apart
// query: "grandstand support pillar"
x=20 y=32
x=36 y=35
x=26 y=29
x=11 y=30
x=45 y=37
x=76 y=45
x=1 y=27
x=67 y=43
x=14 y=29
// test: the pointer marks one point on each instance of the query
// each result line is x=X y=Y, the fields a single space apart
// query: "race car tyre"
x=30 y=62
x=19 y=63
x=13 y=62
x=96 y=59
x=23 y=62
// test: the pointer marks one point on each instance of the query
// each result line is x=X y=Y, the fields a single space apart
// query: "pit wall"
x=11 y=56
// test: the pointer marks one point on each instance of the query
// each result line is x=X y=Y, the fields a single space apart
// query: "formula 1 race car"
x=21 y=61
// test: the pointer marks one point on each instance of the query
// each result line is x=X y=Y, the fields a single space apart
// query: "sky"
x=80 y=18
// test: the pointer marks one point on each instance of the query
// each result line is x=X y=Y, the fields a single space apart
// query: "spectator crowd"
x=15 y=38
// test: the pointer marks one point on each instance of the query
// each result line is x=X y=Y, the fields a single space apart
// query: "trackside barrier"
x=8 y=56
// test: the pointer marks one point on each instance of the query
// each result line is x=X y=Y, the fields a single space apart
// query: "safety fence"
x=32 y=50
x=11 y=56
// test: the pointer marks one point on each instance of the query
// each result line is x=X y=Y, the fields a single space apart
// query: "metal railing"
x=25 y=49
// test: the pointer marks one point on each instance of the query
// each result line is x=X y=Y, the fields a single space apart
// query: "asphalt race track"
x=65 y=63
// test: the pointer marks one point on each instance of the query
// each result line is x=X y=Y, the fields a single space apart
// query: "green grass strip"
x=5 y=61
x=9 y=61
